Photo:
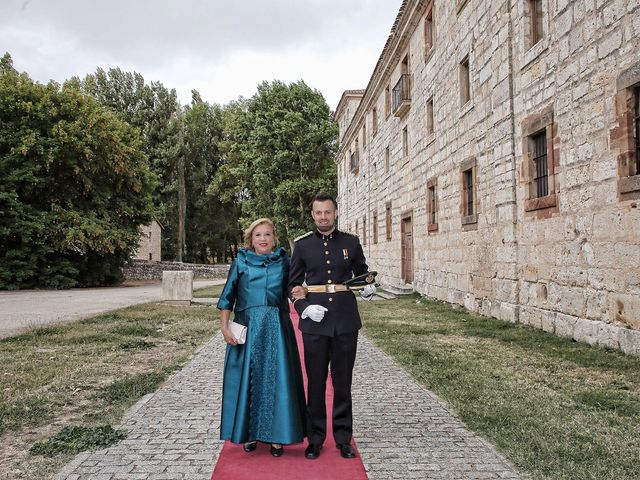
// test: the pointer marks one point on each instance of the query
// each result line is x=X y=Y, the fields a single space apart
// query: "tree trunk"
x=182 y=210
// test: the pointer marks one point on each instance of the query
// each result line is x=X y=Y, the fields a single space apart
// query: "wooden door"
x=406 y=231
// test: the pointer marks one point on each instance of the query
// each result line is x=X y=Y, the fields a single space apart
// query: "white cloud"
x=222 y=48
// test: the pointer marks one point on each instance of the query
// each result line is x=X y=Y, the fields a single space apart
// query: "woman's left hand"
x=299 y=292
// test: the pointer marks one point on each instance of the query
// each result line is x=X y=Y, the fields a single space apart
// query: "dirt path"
x=23 y=310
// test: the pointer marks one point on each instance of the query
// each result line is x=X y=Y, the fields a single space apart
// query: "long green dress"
x=262 y=395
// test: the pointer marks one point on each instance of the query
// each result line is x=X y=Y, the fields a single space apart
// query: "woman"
x=262 y=394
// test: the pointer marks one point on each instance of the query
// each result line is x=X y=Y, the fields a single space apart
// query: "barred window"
x=541 y=176
x=468 y=185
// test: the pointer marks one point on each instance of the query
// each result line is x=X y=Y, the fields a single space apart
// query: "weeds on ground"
x=66 y=384
x=78 y=439
x=556 y=408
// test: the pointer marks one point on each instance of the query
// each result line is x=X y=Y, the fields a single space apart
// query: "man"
x=329 y=321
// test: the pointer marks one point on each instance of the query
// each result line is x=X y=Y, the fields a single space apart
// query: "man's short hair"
x=323 y=197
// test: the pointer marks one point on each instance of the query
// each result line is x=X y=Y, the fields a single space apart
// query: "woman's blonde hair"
x=248 y=233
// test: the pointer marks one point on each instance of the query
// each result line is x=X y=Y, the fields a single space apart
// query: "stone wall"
x=568 y=262
x=145 y=270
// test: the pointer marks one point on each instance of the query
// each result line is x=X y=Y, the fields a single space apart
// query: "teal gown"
x=262 y=394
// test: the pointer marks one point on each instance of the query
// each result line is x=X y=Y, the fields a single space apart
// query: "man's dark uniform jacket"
x=327 y=259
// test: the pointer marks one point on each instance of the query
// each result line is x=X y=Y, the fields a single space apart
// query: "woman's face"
x=262 y=239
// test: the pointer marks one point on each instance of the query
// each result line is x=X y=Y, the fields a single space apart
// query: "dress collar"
x=252 y=258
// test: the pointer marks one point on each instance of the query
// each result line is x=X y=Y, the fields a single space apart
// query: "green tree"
x=74 y=187
x=210 y=222
x=278 y=152
x=155 y=111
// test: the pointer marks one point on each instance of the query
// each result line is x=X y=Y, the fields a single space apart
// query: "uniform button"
x=325 y=244
x=326 y=252
x=328 y=261
x=328 y=281
x=330 y=299
x=329 y=272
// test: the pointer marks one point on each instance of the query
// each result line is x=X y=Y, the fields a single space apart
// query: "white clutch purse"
x=239 y=331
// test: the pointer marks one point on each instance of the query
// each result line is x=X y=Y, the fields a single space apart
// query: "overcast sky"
x=222 y=48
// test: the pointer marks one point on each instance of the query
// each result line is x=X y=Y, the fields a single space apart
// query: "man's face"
x=324 y=215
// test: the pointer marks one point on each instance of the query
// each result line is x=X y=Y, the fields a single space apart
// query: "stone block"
x=586 y=331
x=625 y=310
x=565 y=325
x=629 y=341
x=608 y=335
x=177 y=287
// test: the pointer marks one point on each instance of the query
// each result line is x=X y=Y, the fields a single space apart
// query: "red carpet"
x=235 y=464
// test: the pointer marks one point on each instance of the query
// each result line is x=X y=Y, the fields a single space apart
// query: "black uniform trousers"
x=319 y=351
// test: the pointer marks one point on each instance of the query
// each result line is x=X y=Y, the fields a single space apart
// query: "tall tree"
x=155 y=111
x=209 y=219
x=74 y=187
x=279 y=149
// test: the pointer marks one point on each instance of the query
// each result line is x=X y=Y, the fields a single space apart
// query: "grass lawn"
x=75 y=382
x=555 y=408
x=213 y=291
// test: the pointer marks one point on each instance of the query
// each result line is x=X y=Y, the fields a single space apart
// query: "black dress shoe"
x=346 y=450
x=277 y=451
x=312 y=451
x=250 y=446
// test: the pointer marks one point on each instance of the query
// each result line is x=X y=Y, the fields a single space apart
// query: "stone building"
x=493 y=161
x=150 y=242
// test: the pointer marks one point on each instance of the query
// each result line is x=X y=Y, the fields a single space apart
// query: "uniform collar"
x=324 y=237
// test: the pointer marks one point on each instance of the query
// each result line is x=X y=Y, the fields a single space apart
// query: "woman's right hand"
x=299 y=292
x=228 y=336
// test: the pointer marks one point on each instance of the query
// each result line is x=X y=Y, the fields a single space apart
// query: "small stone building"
x=149 y=245
x=493 y=161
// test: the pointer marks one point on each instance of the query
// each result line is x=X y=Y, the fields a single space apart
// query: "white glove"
x=314 y=312
x=367 y=292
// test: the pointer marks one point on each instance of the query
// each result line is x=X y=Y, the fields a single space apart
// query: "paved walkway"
x=23 y=310
x=402 y=430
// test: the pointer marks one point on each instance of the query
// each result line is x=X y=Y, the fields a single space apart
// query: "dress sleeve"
x=230 y=290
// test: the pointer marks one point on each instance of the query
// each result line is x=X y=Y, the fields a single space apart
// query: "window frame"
x=405 y=142
x=387 y=159
x=469 y=193
x=374 y=121
x=431 y=128
x=534 y=126
x=536 y=16
x=429 y=31
x=432 y=205
x=374 y=227
x=387 y=100
x=388 y=221
x=464 y=79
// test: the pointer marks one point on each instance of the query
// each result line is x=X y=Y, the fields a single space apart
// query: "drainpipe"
x=514 y=190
